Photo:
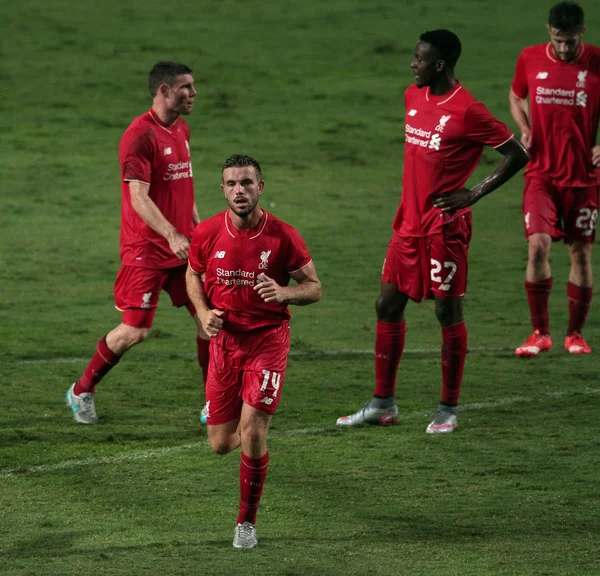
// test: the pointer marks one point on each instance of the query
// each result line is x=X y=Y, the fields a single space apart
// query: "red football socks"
x=580 y=298
x=454 y=350
x=253 y=472
x=203 y=346
x=389 y=344
x=537 y=296
x=103 y=360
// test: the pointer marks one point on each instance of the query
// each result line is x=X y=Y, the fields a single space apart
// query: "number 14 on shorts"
x=275 y=379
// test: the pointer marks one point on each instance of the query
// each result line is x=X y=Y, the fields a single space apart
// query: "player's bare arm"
x=195 y=216
x=519 y=109
x=515 y=157
x=148 y=211
x=307 y=290
x=210 y=318
x=596 y=156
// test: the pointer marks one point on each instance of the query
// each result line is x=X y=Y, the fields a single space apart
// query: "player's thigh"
x=136 y=293
x=175 y=287
x=404 y=266
x=541 y=208
x=224 y=380
x=448 y=258
x=580 y=213
x=265 y=367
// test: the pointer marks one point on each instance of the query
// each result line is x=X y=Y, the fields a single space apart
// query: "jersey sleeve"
x=196 y=257
x=519 y=83
x=298 y=256
x=483 y=128
x=136 y=157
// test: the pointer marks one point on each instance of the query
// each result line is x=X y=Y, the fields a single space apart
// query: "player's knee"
x=388 y=309
x=138 y=335
x=222 y=446
x=539 y=248
x=581 y=255
x=448 y=312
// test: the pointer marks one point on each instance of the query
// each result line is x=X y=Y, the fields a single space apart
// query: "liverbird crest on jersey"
x=264 y=260
x=443 y=120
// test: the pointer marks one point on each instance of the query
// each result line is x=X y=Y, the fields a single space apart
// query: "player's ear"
x=440 y=66
x=582 y=31
x=261 y=187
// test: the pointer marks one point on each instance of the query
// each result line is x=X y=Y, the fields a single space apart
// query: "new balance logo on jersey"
x=581 y=79
x=220 y=254
x=443 y=120
x=146 y=299
x=541 y=75
x=581 y=99
x=264 y=260
x=435 y=142
x=167 y=151
x=412 y=112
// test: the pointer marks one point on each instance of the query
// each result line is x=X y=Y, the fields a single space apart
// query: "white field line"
x=294 y=353
x=170 y=450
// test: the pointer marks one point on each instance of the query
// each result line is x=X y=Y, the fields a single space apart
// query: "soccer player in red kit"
x=560 y=201
x=158 y=216
x=240 y=265
x=446 y=130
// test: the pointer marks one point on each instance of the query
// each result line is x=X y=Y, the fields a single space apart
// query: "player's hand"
x=212 y=322
x=268 y=289
x=452 y=201
x=526 y=139
x=179 y=245
x=596 y=156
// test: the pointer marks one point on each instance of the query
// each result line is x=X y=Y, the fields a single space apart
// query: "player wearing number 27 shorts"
x=446 y=129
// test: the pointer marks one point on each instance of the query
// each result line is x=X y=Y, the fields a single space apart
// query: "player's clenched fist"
x=268 y=289
x=211 y=322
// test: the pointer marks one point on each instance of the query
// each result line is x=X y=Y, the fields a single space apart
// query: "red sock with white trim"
x=253 y=472
x=580 y=298
x=389 y=345
x=538 y=294
x=454 y=351
x=103 y=360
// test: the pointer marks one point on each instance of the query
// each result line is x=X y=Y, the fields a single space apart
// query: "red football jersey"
x=232 y=259
x=158 y=155
x=444 y=140
x=564 y=104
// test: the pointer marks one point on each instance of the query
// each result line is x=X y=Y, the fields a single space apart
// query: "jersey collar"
x=552 y=56
x=159 y=122
x=439 y=100
x=256 y=231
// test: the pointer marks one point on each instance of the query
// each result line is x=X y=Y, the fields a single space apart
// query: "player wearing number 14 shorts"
x=445 y=132
x=560 y=201
x=241 y=262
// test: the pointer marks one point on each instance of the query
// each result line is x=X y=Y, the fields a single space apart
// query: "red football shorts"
x=428 y=266
x=246 y=367
x=563 y=213
x=137 y=290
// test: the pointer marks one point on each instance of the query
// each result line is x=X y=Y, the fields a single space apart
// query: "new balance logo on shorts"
x=266 y=400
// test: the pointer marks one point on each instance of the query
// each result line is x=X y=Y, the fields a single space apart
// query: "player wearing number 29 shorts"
x=241 y=262
x=555 y=100
x=446 y=130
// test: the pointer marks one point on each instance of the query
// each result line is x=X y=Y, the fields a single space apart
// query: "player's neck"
x=246 y=222
x=443 y=86
x=166 y=116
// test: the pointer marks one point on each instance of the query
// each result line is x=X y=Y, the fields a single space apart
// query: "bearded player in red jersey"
x=247 y=257
x=446 y=130
x=560 y=201
x=158 y=216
